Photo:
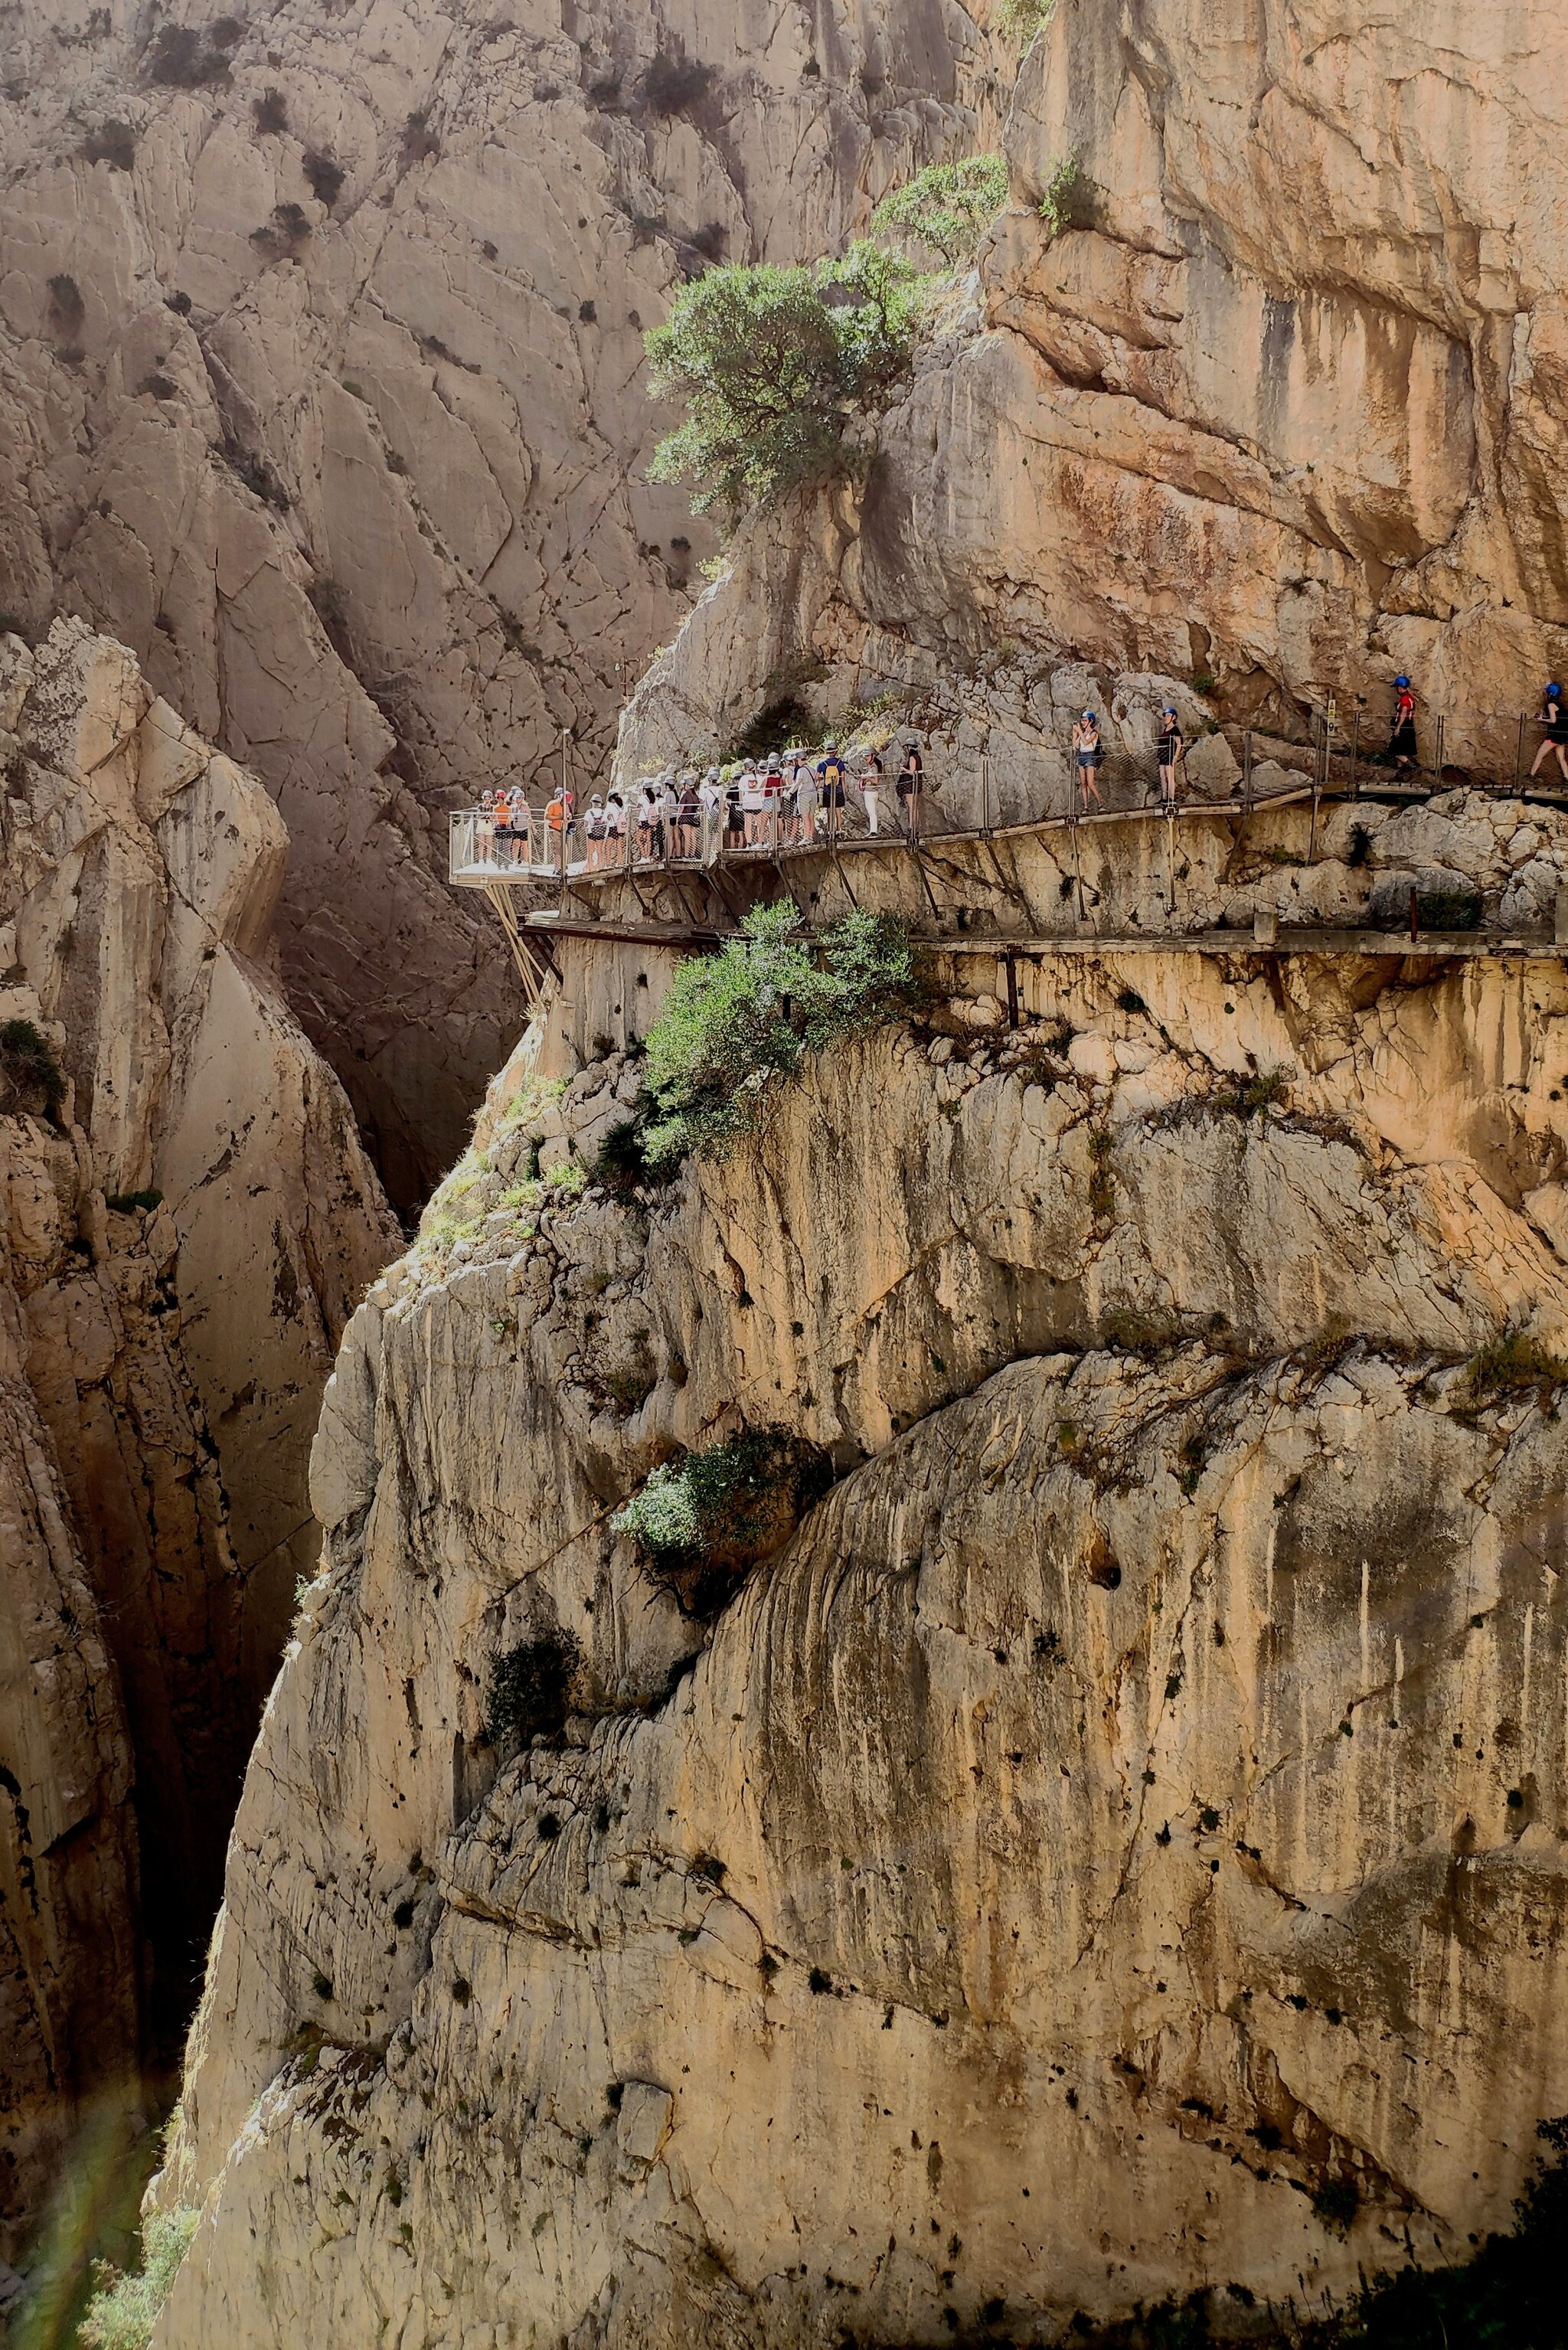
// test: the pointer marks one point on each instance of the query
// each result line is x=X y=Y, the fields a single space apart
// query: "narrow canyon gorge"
x=1082 y=1832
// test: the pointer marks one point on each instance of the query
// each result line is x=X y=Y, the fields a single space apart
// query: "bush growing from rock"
x=700 y=1521
x=674 y=83
x=125 y=2308
x=182 y=57
x=113 y=143
x=530 y=1690
x=1069 y=201
x=947 y=206
x=773 y=366
x=30 y=1077
x=736 y=1026
x=325 y=176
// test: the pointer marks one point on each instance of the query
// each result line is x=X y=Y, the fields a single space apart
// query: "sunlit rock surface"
x=1280 y=407
x=1114 y=1848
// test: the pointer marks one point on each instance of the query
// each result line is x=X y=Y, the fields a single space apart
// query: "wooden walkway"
x=579 y=892
x=1437 y=946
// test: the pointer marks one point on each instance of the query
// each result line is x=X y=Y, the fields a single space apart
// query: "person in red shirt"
x=1402 y=732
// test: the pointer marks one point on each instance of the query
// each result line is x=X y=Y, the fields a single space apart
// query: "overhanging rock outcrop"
x=1274 y=401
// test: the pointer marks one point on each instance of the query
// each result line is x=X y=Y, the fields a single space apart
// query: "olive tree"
x=773 y=366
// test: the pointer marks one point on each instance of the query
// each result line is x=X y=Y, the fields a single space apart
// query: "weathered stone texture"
x=367 y=503
x=1282 y=403
x=1074 y=1805
x=184 y=1234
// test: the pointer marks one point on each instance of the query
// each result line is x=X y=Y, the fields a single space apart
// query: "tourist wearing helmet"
x=1401 y=729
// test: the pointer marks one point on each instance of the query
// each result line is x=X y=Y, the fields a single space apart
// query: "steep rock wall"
x=354 y=463
x=1281 y=404
x=1114 y=1848
x=187 y=1220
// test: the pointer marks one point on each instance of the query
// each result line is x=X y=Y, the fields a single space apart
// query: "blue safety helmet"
x=1402 y=680
x=1554 y=693
x=1088 y=713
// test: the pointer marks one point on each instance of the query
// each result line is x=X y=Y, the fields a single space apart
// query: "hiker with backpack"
x=831 y=773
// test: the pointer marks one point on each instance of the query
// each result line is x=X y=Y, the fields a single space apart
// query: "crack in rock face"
x=186 y=1217
x=1110 y=1849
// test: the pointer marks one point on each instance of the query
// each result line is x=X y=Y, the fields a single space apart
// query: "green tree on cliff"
x=773 y=367
x=947 y=206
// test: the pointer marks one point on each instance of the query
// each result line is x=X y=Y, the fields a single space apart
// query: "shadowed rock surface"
x=187 y=1220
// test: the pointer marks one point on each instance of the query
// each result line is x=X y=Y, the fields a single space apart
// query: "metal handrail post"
x=1247 y=769
x=1519 y=755
x=1354 y=746
x=1441 y=745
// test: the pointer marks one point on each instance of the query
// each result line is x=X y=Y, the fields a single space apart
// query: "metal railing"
x=1344 y=755
x=635 y=839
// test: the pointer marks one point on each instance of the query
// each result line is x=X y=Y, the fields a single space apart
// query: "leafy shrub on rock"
x=124 y=2309
x=30 y=1079
x=773 y=366
x=700 y=1521
x=737 y=1025
x=530 y=1690
x=947 y=206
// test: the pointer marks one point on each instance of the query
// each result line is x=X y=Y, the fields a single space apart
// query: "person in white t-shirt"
x=870 y=787
x=754 y=803
x=807 y=799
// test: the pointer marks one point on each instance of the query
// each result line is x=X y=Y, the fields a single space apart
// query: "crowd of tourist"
x=789 y=800
x=795 y=797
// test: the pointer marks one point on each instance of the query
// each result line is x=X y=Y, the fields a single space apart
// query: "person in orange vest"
x=558 y=817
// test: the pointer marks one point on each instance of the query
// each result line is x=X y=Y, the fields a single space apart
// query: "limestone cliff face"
x=1283 y=404
x=187 y=1219
x=1114 y=1848
x=339 y=422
